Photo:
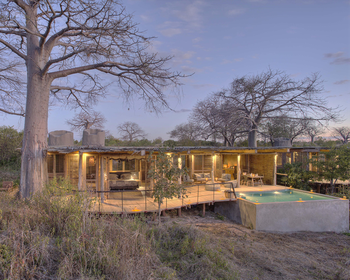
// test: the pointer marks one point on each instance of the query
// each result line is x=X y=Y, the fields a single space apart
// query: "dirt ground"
x=262 y=255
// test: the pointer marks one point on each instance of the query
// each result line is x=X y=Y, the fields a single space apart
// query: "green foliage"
x=165 y=173
x=333 y=165
x=297 y=176
x=10 y=144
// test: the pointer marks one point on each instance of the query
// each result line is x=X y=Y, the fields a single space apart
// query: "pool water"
x=280 y=196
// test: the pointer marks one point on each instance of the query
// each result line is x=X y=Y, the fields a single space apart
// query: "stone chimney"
x=282 y=142
x=93 y=137
x=61 y=138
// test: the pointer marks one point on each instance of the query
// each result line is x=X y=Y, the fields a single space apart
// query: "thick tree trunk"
x=34 y=166
x=252 y=135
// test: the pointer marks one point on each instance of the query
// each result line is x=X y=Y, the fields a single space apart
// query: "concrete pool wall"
x=319 y=216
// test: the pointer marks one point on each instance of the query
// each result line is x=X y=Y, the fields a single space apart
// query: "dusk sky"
x=224 y=39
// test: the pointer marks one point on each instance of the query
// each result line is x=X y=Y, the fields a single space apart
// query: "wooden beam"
x=238 y=171
x=102 y=183
x=275 y=170
x=54 y=165
x=80 y=178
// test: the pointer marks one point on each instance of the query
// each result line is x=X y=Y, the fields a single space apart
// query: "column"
x=212 y=167
x=275 y=170
x=179 y=165
x=80 y=178
x=102 y=179
x=238 y=171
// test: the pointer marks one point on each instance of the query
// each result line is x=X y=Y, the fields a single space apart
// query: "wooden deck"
x=128 y=202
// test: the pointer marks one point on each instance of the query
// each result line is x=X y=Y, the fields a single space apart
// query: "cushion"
x=226 y=177
x=197 y=176
x=206 y=175
x=126 y=176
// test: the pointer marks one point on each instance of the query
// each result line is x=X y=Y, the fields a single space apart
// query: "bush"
x=297 y=176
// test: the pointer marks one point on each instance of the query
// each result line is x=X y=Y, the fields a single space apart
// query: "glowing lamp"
x=91 y=161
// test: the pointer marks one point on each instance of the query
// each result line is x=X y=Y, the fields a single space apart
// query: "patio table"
x=253 y=178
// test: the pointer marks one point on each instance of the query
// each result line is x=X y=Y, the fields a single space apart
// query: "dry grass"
x=52 y=236
x=261 y=255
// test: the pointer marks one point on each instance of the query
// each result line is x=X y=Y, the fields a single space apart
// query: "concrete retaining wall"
x=318 y=216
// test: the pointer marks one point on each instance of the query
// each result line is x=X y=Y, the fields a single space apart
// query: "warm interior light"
x=135 y=209
x=225 y=166
x=91 y=161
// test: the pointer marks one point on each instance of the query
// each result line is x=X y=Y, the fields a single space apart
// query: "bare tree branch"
x=86 y=120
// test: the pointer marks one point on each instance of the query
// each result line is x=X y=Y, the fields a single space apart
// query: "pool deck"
x=136 y=201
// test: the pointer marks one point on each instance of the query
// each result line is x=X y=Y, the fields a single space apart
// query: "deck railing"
x=132 y=201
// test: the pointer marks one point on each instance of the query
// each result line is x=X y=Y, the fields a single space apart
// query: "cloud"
x=191 y=13
x=341 y=82
x=197 y=39
x=203 y=86
x=145 y=18
x=170 y=32
x=235 y=12
x=338 y=58
x=183 y=111
x=226 y=61
x=334 y=55
x=177 y=111
x=188 y=17
x=189 y=69
x=181 y=57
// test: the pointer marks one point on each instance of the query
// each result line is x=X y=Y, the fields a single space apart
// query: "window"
x=123 y=165
x=59 y=163
x=50 y=164
x=202 y=163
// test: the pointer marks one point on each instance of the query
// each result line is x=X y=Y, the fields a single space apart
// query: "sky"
x=218 y=41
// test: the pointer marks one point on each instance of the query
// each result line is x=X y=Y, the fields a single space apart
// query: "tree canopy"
x=67 y=48
x=261 y=97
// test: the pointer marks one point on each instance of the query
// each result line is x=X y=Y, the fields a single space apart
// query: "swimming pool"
x=287 y=210
x=281 y=196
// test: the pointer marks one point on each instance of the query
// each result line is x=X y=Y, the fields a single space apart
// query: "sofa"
x=201 y=177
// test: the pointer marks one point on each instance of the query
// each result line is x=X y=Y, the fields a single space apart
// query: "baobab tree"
x=65 y=47
x=272 y=93
x=86 y=120
x=130 y=131
x=186 y=132
x=342 y=133
x=215 y=117
x=284 y=127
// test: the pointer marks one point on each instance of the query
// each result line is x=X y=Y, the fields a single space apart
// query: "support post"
x=179 y=165
x=54 y=165
x=102 y=179
x=275 y=170
x=80 y=178
x=203 y=209
x=238 y=171
x=97 y=180
x=65 y=166
x=212 y=167
x=179 y=212
x=192 y=165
